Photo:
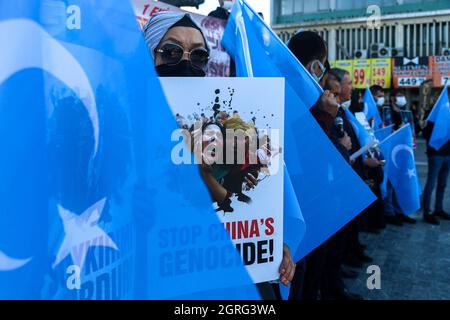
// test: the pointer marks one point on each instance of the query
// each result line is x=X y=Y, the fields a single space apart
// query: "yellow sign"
x=382 y=72
x=367 y=72
x=361 y=73
x=346 y=65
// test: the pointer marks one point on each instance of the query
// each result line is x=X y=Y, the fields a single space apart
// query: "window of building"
x=310 y=6
x=344 y=4
x=377 y=2
x=389 y=3
x=324 y=5
x=359 y=4
x=299 y=5
x=287 y=7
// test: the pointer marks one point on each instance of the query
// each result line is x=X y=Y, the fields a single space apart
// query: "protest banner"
x=219 y=63
x=252 y=213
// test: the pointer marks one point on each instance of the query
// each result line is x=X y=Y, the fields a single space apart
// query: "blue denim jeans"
x=438 y=170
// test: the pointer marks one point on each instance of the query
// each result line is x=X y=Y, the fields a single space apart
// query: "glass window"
x=298 y=5
x=377 y=2
x=287 y=7
x=359 y=4
x=344 y=4
x=324 y=5
x=389 y=3
x=310 y=6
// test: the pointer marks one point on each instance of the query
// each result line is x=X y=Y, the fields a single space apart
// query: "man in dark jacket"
x=438 y=171
x=223 y=11
x=397 y=108
x=310 y=49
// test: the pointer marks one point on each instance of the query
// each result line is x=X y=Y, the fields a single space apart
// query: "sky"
x=259 y=6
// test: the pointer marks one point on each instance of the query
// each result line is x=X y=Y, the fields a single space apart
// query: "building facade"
x=369 y=29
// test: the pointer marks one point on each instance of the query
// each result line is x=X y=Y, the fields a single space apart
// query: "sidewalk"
x=414 y=259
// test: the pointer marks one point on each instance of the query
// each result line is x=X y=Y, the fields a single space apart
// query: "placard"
x=206 y=109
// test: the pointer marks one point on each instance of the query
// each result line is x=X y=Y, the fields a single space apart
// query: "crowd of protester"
x=179 y=49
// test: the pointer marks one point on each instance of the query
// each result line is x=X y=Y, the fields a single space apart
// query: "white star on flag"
x=81 y=233
x=411 y=173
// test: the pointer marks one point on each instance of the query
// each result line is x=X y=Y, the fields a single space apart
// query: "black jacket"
x=326 y=122
x=220 y=13
x=358 y=165
x=397 y=119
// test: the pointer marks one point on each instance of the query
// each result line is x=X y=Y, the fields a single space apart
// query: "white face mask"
x=345 y=105
x=322 y=69
x=400 y=101
x=227 y=5
x=380 y=102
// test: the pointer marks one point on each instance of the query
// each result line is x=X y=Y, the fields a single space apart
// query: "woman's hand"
x=287 y=267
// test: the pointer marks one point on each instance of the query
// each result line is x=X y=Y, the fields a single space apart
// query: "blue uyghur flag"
x=91 y=205
x=361 y=133
x=440 y=115
x=371 y=110
x=383 y=133
x=400 y=169
x=319 y=174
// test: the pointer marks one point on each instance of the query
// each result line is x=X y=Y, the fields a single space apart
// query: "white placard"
x=255 y=227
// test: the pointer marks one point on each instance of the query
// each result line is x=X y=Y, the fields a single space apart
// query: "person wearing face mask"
x=372 y=219
x=223 y=11
x=398 y=104
x=379 y=96
x=310 y=49
x=179 y=49
x=332 y=286
x=177 y=45
x=392 y=211
x=355 y=255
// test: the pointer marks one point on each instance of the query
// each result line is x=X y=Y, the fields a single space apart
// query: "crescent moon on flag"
x=399 y=148
x=8 y=263
x=50 y=56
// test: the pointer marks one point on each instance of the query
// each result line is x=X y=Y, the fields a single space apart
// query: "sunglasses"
x=172 y=54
